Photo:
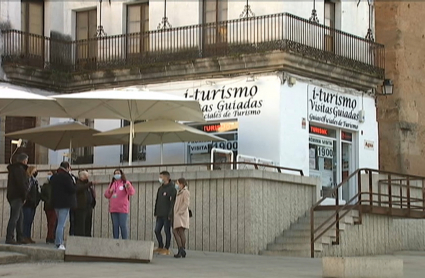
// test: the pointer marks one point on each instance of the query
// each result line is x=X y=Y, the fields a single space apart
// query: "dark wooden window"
x=329 y=22
x=13 y=124
x=86 y=27
x=215 y=30
x=137 y=28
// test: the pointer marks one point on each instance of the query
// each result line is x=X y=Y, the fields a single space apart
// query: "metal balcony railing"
x=277 y=32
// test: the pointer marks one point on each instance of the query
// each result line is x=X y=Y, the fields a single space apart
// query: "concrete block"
x=354 y=267
x=34 y=253
x=108 y=250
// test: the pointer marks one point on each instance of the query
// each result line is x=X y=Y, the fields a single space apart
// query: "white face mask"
x=161 y=181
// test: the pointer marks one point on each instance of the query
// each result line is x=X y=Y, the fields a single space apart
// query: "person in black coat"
x=164 y=206
x=86 y=201
x=17 y=190
x=31 y=203
x=63 y=199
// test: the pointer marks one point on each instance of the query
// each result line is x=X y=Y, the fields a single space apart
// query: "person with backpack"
x=46 y=197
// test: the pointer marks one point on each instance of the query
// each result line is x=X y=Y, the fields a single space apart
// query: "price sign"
x=324 y=152
x=226 y=145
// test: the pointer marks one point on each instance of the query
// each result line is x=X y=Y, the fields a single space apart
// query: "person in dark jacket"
x=46 y=197
x=86 y=201
x=31 y=203
x=64 y=198
x=17 y=189
x=164 y=205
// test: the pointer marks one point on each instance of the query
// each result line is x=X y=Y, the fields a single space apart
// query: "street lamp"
x=387 y=87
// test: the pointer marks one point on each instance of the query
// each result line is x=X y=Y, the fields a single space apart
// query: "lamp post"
x=164 y=24
x=247 y=12
x=313 y=18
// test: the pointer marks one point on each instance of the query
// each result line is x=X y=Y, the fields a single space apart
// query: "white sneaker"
x=61 y=247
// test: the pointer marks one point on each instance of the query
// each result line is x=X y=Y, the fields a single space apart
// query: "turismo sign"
x=229 y=101
x=332 y=108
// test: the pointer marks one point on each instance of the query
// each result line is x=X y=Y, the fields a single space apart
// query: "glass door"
x=347 y=165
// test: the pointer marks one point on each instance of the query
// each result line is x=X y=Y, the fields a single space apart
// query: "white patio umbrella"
x=159 y=132
x=16 y=101
x=65 y=135
x=130 y=104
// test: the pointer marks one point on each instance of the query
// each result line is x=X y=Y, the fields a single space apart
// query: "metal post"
x=164 y=24
x=313 y=18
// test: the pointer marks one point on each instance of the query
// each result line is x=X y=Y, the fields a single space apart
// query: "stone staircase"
x=295 y=242
x=13 y=258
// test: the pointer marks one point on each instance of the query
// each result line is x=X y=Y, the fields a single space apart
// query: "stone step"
x=320 y=220
x=297 y=253
x=300 y=240
x=294 y=246
x=306 y=233
x=12 y=258
x=306 y=226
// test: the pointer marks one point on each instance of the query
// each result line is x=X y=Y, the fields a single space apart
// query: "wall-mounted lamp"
x=18 y=143
x=387 y=87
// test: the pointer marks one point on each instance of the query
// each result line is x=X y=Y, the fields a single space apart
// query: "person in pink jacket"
x=118 y=193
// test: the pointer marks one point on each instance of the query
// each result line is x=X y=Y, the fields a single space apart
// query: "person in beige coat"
x=181 y=216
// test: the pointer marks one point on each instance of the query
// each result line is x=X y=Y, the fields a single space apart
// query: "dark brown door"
x=32 y=21
x=137 y=31
x=16 y=124
x=215 y=27
x=86 y=39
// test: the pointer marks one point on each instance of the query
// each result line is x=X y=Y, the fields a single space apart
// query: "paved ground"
x=197 y=265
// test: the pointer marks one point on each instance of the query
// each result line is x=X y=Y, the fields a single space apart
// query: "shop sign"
x=230 y=101
x=205 y=147
x=320 y=141
x=369 y=145
x=332 y=108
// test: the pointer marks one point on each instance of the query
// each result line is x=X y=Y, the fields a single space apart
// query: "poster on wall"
x=333 y=108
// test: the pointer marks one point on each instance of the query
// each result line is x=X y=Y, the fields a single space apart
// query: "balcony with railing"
x=261 y=35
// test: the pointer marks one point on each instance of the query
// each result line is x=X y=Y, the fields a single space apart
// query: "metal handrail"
x=279 y=169
x=370 y=202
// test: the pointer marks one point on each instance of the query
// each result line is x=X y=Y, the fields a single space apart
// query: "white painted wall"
x=107 y=155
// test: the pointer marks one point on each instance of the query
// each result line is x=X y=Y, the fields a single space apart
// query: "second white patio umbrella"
x=159 y=132
x=65 y=135
x=16 y=101
x=130 y=104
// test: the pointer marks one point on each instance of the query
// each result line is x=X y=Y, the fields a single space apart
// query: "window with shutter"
x=329 y=22
x=32 y=24
x=215 y=26
x=137 y=28
x=86 y=27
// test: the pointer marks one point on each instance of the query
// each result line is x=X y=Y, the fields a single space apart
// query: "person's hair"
x=182 y=181
x=123 y=178
x=21 y=157
x=165 y=173
x=30 y=169
x=83 y=173
x=65 y=164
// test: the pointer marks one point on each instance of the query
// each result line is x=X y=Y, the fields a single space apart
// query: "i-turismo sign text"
x=333 y=108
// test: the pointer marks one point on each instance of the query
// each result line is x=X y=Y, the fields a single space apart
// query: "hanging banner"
x=333 y=108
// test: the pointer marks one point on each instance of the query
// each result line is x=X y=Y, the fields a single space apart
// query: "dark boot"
x=179 y=253
x=183 y=253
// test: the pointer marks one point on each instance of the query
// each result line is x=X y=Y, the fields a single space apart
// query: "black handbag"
x=190 y=213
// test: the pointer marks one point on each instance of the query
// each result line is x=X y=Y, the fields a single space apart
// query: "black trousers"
x=83 y=222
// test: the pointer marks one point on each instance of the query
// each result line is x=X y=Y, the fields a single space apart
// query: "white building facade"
x=296 y=120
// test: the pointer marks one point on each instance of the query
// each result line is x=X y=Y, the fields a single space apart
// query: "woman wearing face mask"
x=118 y=193
x=181 y=216
x=46 y=197
x=31 y=203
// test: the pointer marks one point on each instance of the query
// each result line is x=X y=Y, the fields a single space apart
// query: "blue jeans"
x=29 y=214
x=119 y=222
x=166 y=223
x=62 y=215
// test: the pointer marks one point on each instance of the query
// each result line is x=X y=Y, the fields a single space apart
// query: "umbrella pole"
x=162 y=148
x=130 y=146
x=70 y=151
